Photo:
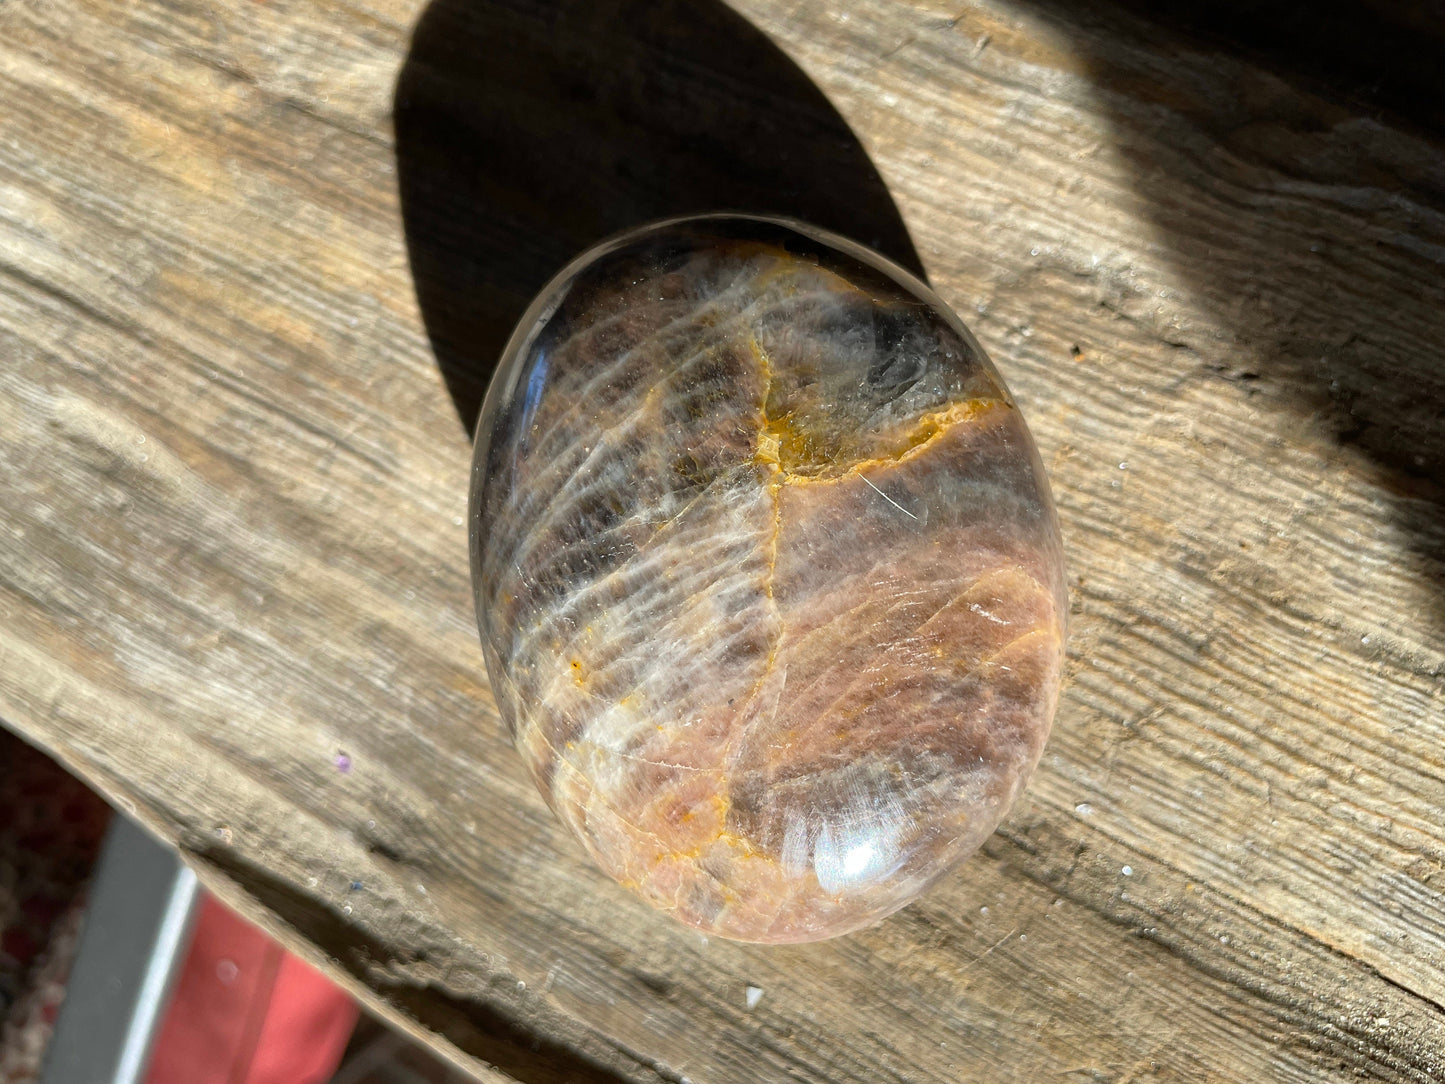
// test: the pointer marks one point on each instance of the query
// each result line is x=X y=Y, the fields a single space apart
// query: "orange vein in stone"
x=927 y=431
x=768 y=448
x=767 y=456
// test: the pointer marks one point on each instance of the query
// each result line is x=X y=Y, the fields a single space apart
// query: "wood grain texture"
x=232 y=546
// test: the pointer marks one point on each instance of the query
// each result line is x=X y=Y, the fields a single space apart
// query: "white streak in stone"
x=976 y=608
x=886 y=497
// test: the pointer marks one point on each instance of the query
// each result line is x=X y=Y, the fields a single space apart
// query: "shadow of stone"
x=527 y=130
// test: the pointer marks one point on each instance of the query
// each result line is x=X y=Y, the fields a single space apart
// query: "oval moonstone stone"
x=769 y=581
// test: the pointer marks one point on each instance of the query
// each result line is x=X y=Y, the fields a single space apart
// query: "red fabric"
x=245 y=1012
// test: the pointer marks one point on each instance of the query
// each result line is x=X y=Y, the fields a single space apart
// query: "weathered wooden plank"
x=235 y=485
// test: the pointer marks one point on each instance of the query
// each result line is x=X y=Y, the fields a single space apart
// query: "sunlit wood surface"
x=248 y=292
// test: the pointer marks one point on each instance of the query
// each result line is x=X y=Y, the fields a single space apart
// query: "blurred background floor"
x=227 y=1006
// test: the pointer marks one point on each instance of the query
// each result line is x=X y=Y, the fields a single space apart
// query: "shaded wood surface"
x=232 y=545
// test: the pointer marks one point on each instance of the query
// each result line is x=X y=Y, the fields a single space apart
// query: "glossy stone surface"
x=768 y=578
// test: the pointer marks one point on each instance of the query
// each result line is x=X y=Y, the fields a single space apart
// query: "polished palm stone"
x=768 y=577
